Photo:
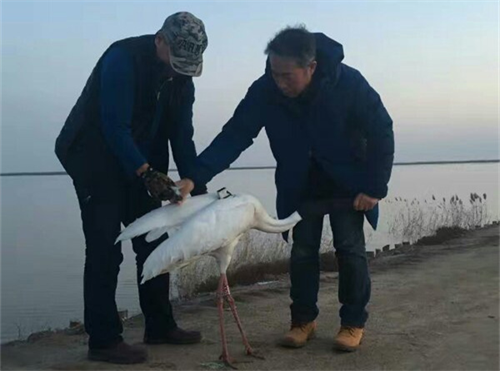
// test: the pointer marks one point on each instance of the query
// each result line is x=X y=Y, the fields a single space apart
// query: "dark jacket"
x=339 y=121
x=126 y=115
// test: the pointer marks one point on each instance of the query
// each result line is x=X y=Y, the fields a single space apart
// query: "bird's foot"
x=228 y=361
x=253 y=353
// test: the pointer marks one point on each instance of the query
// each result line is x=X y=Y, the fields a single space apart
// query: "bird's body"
x=214 y=230
x=206 y=225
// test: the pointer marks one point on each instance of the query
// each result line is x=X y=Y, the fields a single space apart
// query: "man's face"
x=291 y=79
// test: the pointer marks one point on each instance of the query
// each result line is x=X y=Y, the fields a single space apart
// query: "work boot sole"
x=172 y=341
x=289 y=343
x=345 y=348
x=93 y=356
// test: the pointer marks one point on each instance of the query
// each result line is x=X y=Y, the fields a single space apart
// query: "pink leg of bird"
x=232 y=305
x=220 y=306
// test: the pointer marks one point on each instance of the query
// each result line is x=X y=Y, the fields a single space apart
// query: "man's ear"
x=313 y=66
x=158 y=39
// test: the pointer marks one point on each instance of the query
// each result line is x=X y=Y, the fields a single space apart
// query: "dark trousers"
x=354 y=280
x=103 y=208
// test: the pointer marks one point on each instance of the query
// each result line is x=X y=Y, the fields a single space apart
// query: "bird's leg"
x=232 y=305
x=220 y=306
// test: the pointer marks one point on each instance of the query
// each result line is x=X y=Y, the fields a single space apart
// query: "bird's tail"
x=267 y=223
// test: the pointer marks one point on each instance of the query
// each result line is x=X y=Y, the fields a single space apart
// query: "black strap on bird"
x=223 y=193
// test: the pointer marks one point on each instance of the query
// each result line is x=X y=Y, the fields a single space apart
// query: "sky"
x=434 y=63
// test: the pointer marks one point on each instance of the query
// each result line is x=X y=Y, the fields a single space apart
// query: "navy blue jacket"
x=340 y=121
x=127 y=114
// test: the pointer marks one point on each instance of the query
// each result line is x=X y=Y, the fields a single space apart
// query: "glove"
x=160 y=186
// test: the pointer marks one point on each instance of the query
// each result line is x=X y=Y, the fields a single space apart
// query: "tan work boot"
x=348 y=338
x=298 y=335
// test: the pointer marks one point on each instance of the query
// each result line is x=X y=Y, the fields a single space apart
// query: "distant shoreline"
x=49 y=173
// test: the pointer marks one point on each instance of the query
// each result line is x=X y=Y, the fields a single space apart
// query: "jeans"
x=104 y=206
x=354 y=279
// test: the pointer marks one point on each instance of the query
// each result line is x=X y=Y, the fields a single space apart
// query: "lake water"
x=42 y=244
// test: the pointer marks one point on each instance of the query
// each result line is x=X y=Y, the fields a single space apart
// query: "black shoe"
x=175 y=336
x=121 y=353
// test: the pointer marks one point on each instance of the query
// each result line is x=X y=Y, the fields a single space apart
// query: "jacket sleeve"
x=376 y=124
x=181 y=136
x=236 y=136
x=117 y=101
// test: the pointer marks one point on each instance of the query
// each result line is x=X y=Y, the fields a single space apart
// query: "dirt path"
x=433 y=307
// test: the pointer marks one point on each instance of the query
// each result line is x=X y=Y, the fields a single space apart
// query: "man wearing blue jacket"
x=114 y=145
x=332 y=138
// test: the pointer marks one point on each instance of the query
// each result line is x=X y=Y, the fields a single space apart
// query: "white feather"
x=157 y=233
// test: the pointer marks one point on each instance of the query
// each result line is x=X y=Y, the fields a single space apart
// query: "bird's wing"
x=166 y=217
x=215 y=226
x=158 y=232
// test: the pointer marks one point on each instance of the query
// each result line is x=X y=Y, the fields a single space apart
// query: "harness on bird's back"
x=224 y=193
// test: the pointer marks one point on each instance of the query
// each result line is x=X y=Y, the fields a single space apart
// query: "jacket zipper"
x=158 y=93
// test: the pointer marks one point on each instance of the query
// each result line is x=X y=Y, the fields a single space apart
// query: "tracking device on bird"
x=223 y=193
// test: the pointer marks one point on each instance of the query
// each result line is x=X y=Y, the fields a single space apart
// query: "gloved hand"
x=160 y=186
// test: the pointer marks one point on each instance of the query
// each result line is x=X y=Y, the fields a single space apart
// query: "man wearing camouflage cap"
x=114 y=145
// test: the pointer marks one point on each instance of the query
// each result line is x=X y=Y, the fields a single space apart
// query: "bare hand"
x=364 y=202
x=185 y=186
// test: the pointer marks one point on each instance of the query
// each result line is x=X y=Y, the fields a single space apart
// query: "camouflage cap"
x=187 y=39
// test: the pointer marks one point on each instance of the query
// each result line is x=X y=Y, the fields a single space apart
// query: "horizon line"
x=50 y=173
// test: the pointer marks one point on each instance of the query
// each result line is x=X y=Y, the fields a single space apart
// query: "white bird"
x=207 y=225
